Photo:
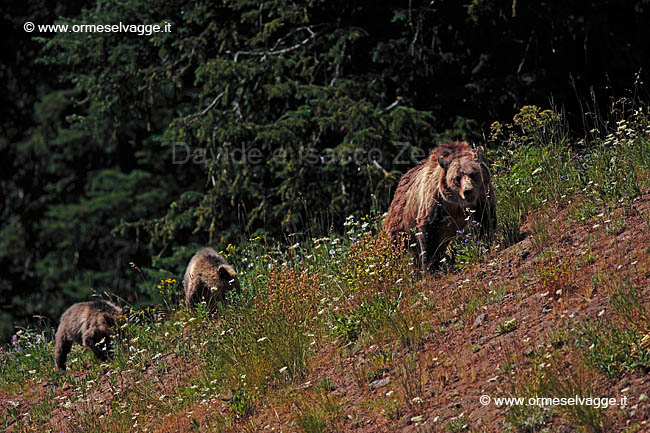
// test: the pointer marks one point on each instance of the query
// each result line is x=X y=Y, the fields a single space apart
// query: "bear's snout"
x=467 y=190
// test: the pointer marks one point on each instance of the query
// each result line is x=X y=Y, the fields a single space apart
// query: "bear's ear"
x=110 y=320
x=480 y=154
x=442 y=162
x=224 y=273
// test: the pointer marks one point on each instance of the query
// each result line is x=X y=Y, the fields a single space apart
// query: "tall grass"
x=27 y=360
x=536 y=162
x=621 y=342
x=328 y=288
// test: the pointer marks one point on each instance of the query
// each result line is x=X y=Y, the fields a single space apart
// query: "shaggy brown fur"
x=431 y=199
x=88 y=324
x=208 y=277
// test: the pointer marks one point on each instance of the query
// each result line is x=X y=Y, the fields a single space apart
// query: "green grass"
x=574 y=355
x=507 y=326
x=619 y=342
x=547 y=376
x=458 y=424
x=537 y=163
x=27 y=360
x=320 y=417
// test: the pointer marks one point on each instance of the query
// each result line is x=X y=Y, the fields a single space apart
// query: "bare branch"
x=393 y=105
x=376 y=164
x=178 y=62
x=523 y=58
x=337 y=70
x=264 y=54
x=292 y=32
x=192 y=117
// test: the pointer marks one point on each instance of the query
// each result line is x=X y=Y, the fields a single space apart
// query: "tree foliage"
x=126 y=151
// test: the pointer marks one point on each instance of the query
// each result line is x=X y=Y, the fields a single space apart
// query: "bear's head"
x=227 y=280
x=464 y=177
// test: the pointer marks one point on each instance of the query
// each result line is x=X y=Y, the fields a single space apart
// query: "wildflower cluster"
x=530 y=125
x=26 y=358
x=355 y=229
x=631 y=127
x=230 y=249
x=468 y=246
x=169 y=290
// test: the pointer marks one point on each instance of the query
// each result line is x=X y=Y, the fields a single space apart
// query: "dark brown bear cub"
x=88 y=324
x=208 y=277
x=436 y=198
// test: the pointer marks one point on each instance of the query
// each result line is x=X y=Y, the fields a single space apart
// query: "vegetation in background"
x=326 y=102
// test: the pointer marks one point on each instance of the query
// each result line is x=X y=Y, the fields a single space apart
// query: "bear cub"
x=88 y=324
x=208 y=277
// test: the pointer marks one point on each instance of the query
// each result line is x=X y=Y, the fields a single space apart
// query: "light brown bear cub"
x=208 y=277
x=88 y=324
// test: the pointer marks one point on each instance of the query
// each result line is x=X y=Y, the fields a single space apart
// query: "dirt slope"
x=484 y=330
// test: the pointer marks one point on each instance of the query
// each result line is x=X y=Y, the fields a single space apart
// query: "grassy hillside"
x=339 y=334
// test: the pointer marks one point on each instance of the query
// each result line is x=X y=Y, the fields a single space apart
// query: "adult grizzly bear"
x=208 y=277
x=88 y=324
x=432 y=199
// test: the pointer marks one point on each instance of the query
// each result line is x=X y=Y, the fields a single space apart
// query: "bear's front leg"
x=424 y=247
